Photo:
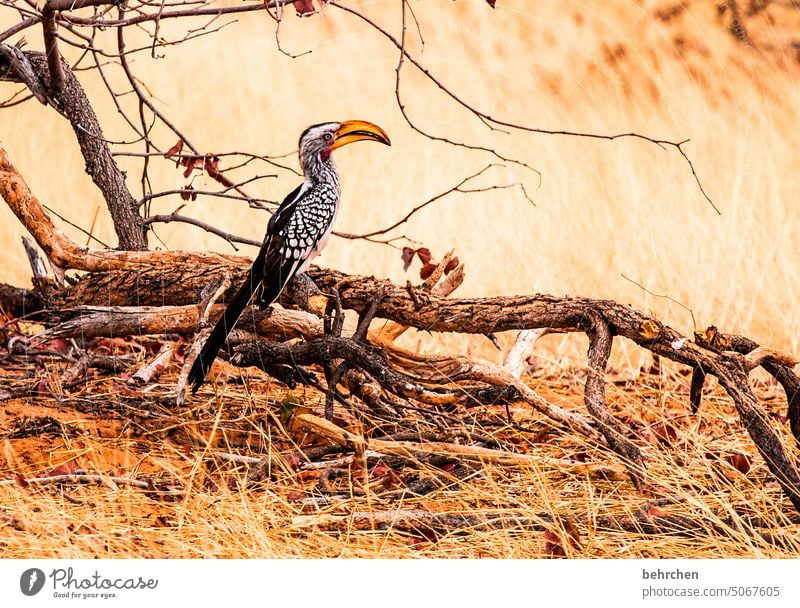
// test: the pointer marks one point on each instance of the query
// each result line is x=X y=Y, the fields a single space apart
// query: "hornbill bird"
x=296 y=233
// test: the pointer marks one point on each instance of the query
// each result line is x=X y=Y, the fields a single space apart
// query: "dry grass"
x=603 y=210
x=106 y=427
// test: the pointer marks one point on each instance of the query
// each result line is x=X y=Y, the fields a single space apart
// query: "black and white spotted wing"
x=296 y=233
x=275 y=264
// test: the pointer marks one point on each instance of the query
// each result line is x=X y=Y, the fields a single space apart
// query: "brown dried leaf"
x=696 y=388
x=665 y=432
x=451 y=265
x=304 y=7
x=408 y=257
x=424 y=255
x=491 y=2
x=740 y=462
x=554 y=543
x=65 y=468
x=176 y=149
x=427 y=270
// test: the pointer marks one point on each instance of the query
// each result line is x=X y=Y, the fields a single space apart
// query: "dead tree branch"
x=497 y=123
x=71 y=101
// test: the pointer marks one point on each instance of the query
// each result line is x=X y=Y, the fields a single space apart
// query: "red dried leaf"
x=190 y=163
x=293 y=460
x=380 y=470
x=306 y=476
x=740 y=462
x=779 y=417
x=574 y=533
x=65 y=468
x=656 y=512
x=427 y=270
x=424 y=255
x=666 y=433
x=408 y=257
x=186 y=194
x=491 y=2
x=162 y=521
x=176 y=149
x=451 y=265
x=552 y=544
x=84 y=529
x=422 y=538
x=42 y=389
x=656 y=491
x=114 y=346
x=387 y=475
x=19 y=478
x=304 y=7
x=126 y=391
x=57 y=345
x=545 y=435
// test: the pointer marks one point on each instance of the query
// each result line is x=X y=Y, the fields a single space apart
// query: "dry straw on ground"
x=192 y=484
x=104 y=468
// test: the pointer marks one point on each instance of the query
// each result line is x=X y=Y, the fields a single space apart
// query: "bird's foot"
x=366 y=316
x=333 y=317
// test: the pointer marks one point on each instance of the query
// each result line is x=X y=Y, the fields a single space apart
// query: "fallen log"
x=179 y=279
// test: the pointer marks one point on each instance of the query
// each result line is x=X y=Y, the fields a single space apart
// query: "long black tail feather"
x=270 y=271
x=219 y=334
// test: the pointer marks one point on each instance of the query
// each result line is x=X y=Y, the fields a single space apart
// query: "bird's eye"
x=327 y=136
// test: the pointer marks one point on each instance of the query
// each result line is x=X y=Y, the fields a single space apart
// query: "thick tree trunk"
x=71 y=101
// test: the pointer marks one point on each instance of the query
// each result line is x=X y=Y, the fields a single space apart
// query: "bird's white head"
x=318 y=141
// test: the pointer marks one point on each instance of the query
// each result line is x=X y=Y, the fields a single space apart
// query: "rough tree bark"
x=136 y=278
x=69 y=99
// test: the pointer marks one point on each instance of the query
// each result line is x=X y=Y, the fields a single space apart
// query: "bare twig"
x=495 y=123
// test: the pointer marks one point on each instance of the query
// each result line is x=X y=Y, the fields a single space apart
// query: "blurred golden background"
x=604 y=210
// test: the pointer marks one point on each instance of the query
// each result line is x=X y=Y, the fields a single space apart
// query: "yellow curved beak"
x=357 y=130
